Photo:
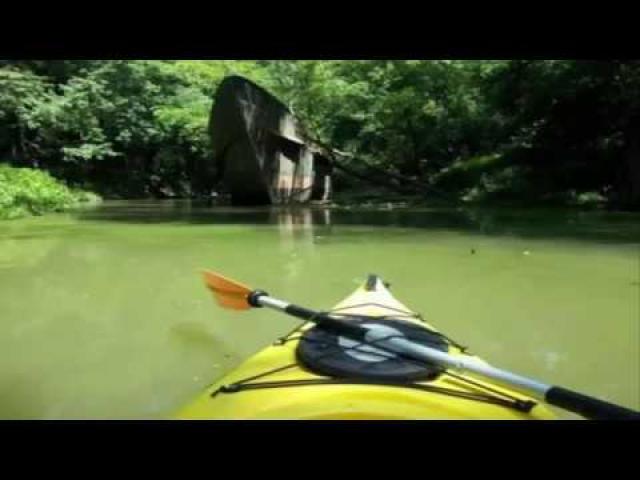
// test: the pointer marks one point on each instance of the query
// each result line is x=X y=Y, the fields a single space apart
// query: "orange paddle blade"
x=228 y=293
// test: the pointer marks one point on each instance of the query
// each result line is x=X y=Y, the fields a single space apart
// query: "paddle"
x=233 y=295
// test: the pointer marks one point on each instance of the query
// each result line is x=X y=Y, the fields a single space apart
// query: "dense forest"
x=543 y=131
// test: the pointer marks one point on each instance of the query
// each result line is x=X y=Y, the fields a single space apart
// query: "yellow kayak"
x=314 y=374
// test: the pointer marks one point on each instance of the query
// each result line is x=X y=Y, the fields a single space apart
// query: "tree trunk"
x=371 y=179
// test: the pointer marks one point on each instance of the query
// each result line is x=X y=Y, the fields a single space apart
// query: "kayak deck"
x=273 y=384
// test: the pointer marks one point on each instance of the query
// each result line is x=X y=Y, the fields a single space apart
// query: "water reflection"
x=600 y=226
x=300 y=225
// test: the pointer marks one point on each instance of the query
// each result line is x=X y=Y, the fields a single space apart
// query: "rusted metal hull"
x=260 y=150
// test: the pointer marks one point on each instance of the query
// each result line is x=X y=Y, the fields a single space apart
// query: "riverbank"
x=27 y=191
x=378 y=199
x=489 y=180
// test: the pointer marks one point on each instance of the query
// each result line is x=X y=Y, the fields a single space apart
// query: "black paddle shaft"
x=332 y=324
x=588 y=407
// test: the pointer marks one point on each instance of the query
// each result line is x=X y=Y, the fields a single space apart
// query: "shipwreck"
x=262 y=154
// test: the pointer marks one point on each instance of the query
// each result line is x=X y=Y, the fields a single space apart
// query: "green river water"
x=103 y=313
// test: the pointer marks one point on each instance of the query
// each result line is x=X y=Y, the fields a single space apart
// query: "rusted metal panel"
x=260 y=150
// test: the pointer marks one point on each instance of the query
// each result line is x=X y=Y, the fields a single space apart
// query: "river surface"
x=103 y=313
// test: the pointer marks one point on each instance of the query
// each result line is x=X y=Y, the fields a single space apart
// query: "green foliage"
x=107 y=109
x=556 y=125
x=141 y=127
x=90 y=120
x=411 y=116
x=25 y=191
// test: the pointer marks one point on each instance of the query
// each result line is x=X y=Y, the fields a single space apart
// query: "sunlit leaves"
x=24 y=191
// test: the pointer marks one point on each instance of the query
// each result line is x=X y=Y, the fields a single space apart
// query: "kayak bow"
x=370 y=358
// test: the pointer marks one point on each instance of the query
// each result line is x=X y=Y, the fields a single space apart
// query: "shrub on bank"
x=27 y=191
